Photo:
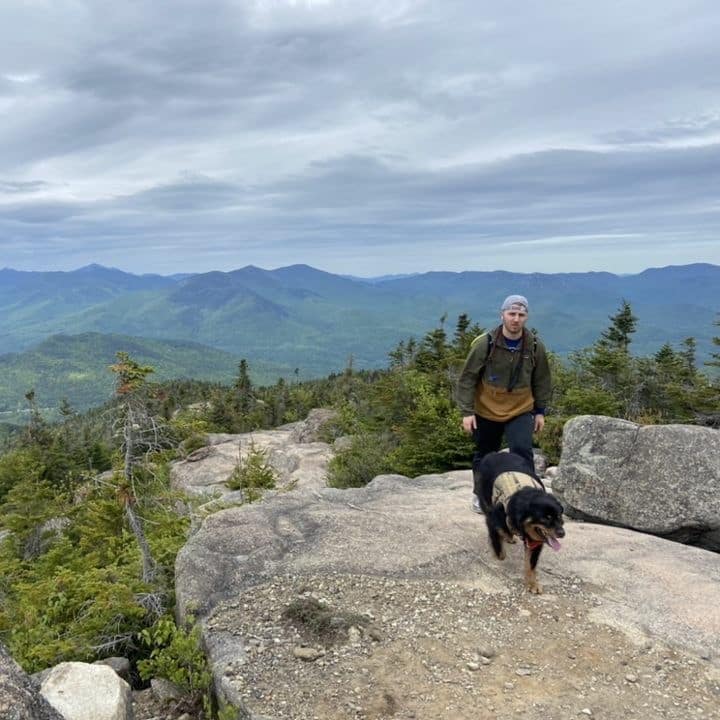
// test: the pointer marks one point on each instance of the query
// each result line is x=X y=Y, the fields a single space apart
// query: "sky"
x=364 y=137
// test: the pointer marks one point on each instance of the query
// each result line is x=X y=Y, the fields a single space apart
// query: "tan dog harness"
x=508 y=483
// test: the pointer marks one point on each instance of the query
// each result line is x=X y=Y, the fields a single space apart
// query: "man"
x=504 y=388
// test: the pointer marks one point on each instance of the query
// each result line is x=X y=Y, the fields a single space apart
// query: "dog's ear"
x=552 y=505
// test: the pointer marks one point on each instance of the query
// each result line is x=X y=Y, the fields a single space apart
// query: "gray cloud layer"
x=367 y=137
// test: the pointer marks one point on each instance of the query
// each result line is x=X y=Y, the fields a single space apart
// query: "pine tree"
x=243 y=389
x=617 y=336
x=688 y=359
x=37 y=431
x=715 y=362
x=461 y=328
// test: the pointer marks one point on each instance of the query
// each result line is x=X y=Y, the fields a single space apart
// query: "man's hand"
x=469 y=423
x=539 y=422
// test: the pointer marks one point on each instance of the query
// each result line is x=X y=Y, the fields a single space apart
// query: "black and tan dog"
x=515 y=503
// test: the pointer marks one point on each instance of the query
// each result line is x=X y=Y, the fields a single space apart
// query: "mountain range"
x=298 y=317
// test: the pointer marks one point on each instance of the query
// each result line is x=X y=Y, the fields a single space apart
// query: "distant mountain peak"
x=96 y=267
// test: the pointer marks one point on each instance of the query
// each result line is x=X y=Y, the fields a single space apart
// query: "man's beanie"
x=511 y=300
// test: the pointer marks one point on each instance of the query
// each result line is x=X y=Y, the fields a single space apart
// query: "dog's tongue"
x=553 y=543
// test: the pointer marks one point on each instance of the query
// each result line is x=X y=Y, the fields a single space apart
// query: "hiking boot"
x=476 y=504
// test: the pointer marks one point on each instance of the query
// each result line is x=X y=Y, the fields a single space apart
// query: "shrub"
x=253 y=473
x=176 y=655
x=193 y=443
x=361 y=462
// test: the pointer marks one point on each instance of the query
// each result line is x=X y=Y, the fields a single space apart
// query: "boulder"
x=309 y=430
x=165 y=690
x=20 y=697
x=81 y=691
x=121 y=665
x=659 y=479
x=43 y=537
x=541 y=462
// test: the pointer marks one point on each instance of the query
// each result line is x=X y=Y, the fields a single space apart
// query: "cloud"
x=344 y=134
x=12 y=187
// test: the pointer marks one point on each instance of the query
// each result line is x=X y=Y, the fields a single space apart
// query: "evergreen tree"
x=688 y=357
x=432 y=357
x=461 y=328
x=465 y=333
x=623 y=325
x=243 y=388
x=397 y=355
x=715 y=362
x=36 y=431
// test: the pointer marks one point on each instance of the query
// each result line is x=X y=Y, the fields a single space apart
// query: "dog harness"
x=508 y=483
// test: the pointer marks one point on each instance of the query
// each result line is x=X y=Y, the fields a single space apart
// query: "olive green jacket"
x=494 y=387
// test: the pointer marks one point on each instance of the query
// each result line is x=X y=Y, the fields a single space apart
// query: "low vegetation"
x=253 y=474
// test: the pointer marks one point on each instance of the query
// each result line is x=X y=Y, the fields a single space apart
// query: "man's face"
x=514 y=320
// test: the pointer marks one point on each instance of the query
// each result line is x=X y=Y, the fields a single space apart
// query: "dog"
x=515 y=503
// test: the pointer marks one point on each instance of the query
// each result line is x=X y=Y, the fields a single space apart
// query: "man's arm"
x=541 y=385
x=469 y=377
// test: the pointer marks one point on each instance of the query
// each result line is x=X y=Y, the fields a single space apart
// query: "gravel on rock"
x=447 y=651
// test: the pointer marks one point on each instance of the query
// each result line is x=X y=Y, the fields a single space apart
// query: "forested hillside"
x=89 y=527
x=75 y=369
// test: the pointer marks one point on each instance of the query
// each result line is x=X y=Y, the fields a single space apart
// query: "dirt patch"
x=441 y=650
x=320 y=622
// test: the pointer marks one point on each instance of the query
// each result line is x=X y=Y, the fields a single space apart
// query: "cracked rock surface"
x=628 y=625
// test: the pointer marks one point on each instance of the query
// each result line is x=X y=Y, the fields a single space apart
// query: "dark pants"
x=488 y=438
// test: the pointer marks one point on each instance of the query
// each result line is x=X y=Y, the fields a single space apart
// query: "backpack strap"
x=486 y=336
x=493 y=336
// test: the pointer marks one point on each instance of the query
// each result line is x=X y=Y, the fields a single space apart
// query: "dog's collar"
x=533 y=544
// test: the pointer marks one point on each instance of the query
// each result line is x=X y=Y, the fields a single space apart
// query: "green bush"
x=357 y=465
x=253 y=473
x=193 y=443
x=176 y=654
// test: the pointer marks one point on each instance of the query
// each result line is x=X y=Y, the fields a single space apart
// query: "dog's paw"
x=501 y=555
x=535 y=588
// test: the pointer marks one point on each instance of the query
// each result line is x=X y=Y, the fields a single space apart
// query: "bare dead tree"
x=140 y=435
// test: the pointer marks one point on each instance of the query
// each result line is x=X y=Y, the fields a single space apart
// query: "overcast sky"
x=359 y=136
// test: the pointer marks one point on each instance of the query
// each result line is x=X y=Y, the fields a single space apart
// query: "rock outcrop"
x=411 y=564
x=299 y=462
x=659 y=479
x=310 y=429
x=20 y=697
